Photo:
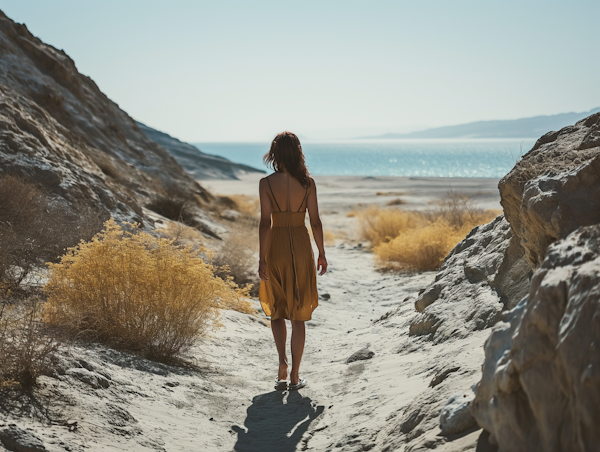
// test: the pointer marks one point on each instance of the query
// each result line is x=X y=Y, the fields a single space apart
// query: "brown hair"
x=286 y=154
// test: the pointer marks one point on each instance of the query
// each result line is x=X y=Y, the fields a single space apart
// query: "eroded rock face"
x=481 y=276
x=540 y=388
x=555 y=188
x=57 y=129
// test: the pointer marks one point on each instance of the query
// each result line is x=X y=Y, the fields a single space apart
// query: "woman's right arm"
x=316 y=226
x=264 y=229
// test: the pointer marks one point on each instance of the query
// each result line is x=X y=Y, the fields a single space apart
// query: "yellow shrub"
x=421 y=248
x=248 y=205
x=381 y=225
x=420 y=240
x=137 y=292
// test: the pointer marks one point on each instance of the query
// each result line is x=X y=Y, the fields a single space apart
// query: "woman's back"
x=282 y=188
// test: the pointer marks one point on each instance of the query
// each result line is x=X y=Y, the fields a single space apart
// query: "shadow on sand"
x=276 y=422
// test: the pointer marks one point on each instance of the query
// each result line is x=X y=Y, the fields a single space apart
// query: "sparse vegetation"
x=238 y=255
x=174 y=205
x=419 y=240
x=25 y=348
x=34 y=229
x=137 y=292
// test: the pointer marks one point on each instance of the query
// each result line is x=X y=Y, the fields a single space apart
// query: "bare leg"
x=280 y=335
x=298 y=336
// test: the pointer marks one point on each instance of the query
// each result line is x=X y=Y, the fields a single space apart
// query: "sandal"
x=301 y=383
x=280 y=385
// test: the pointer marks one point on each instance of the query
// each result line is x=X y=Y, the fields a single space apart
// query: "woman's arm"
x=316 y=226
x=264 y=229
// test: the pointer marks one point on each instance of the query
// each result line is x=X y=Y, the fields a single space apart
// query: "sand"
x=228 y=402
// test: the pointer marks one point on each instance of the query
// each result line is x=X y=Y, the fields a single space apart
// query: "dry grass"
x=137 y=292
x=35 y=229
x=247 y=205
x=25 y=348
x=420 y=240
x=329 y=237
x=182 y=234
x=238 y=256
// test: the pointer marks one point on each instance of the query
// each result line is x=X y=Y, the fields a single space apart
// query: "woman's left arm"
x=264 y=229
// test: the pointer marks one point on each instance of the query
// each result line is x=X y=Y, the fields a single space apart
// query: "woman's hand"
x=262 y=270
x=321 y=264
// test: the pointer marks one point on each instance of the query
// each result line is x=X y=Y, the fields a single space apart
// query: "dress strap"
x=305 y=196
x=273 y=194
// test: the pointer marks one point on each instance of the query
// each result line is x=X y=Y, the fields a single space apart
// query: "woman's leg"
x=298 y=336
x=280 y=334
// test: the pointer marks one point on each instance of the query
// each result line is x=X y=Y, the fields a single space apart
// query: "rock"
x=325 y=296
x=93 y=379
x=481 y=276
x=362 y=355
x=439 y=378
x=19 y=440
x=540 y=388
x=554 y=188
x=230 y=215
x=456 y=415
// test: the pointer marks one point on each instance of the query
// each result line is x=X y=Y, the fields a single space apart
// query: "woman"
x=288 y=287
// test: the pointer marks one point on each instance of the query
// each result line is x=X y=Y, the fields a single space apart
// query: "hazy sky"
x=245 y=70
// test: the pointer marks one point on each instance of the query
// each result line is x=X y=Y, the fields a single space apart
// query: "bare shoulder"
x=312 y=183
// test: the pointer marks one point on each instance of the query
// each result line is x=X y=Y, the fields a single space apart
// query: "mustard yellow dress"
x=291 y=290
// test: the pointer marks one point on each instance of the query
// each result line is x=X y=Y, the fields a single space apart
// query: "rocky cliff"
x=60 y=131
x=196 y=163
x=540 y=388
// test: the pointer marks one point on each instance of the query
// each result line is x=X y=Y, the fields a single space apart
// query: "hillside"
x=511 y=128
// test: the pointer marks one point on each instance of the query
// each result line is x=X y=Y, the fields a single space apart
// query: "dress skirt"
x=291 y=290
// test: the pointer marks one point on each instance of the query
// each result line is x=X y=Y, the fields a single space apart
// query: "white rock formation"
x=541 y=378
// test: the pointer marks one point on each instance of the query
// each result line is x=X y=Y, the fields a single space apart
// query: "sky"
x=228 y=70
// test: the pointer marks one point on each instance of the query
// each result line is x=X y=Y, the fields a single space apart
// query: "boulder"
x=540 y=388
x=19 y=440
x=482 y=275
x=455 y=416
x=554 y=188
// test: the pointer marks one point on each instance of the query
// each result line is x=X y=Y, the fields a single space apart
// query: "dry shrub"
x=238 y=256
x=389 y=193
x=422 y=248
x=420 y=240
x=35 y=229
x=329 y=237
x=382 y=225
x=174 y=204
x=25 y=348
x=182 y=234
x=247 y=205
x=137 y=292
x=396 y=202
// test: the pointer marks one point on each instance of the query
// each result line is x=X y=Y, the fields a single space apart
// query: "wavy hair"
x=286 y=155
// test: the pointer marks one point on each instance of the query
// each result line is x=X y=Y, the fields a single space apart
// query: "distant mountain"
x=511 y=128
x=195 y=162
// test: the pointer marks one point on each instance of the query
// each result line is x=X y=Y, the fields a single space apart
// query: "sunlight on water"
x=422 y=158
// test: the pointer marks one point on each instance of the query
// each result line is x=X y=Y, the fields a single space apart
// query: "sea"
x=407 y=158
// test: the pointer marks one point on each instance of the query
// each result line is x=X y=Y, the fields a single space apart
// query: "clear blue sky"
x=245 y=70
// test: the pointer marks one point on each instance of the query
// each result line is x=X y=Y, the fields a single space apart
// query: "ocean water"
x=409 y=158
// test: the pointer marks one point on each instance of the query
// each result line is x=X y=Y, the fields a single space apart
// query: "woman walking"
x=288 y=287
